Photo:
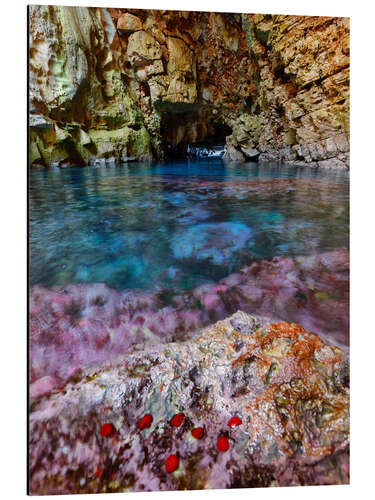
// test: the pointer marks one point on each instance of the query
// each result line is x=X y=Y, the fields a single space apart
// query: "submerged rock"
x=211 y=242
x=75 y=326
x=288 y=390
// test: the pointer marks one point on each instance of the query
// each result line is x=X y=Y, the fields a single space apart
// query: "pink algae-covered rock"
x=287 y=387
x=75 y=326
x=41 y=386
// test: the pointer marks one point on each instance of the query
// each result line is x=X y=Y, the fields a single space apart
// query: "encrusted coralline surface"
x=110 y=429
x=120 y=84
x=74 y=326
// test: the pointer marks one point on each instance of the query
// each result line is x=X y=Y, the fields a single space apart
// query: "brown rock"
x=75 y=82
x=142 y=49
x=180 y=56
x=127 y=23
x=291 y=72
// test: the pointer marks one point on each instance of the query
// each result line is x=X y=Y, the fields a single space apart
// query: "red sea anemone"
x=171 y=463
x=177 y=420
x=145 y=422
x=107 y=430
x=222 y=444
x=234 y=422
x=197 y=432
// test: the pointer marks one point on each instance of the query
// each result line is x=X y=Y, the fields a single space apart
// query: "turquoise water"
x=178 y=224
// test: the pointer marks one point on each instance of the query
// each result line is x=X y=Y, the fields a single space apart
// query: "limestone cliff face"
x=189 y=72
x=119 y=84
x=80 y=109
x=300 y=110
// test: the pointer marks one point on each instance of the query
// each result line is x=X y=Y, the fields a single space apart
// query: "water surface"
x=178 y=225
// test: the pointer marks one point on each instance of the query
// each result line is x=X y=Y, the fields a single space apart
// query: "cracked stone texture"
x=122 y=84
x=300 y=110
x=75 y=326
x=80 y=110
x=288 y=387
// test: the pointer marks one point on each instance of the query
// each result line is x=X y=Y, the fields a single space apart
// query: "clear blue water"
x=178 y=224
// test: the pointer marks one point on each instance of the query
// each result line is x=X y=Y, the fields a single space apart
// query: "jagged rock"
x=127 y=23
x=288 y=390
x=84 y=138
x=181 y=91
x=247 y=130
x=180 y=57
x=280 y=83
x=334 y=163
x=303 y=85
x=231 y=153
x=250 y=152
x=75 y=81
x=121 y=143
x=37 y=121
x=143 y=49
x=93 y=323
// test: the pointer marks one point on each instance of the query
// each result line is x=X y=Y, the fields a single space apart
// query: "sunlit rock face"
x=118 y=84
x=189 y=72
x=271 y=398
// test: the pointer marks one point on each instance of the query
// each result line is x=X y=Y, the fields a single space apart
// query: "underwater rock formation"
x=211 y=242
x=75 y=326
x=246 y=403
x=119 y=84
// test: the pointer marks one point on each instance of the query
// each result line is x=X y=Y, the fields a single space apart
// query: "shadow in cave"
x=192 y=136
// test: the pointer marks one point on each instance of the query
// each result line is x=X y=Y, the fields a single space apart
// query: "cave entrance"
x=220 y=133
x=197 y=128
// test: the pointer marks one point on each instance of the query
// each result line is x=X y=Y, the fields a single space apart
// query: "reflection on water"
x=178 y=225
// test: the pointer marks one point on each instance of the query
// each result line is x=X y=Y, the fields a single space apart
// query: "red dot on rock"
x=197 y=432
x=234 y=422
x=171 y=463
x=145 y=422
x=222 y=444
x=177 y=420
x=107 y=430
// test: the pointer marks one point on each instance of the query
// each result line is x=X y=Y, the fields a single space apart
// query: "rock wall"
x=189 y=72
x=246 y=403
x=80 y=108
x=300 y=110
x=120 y=84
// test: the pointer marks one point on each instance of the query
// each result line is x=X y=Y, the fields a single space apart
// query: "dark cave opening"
x=182 y=133
x=221 y=131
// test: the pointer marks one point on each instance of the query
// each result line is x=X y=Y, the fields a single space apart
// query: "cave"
x=211 y=289
x=198 y=130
